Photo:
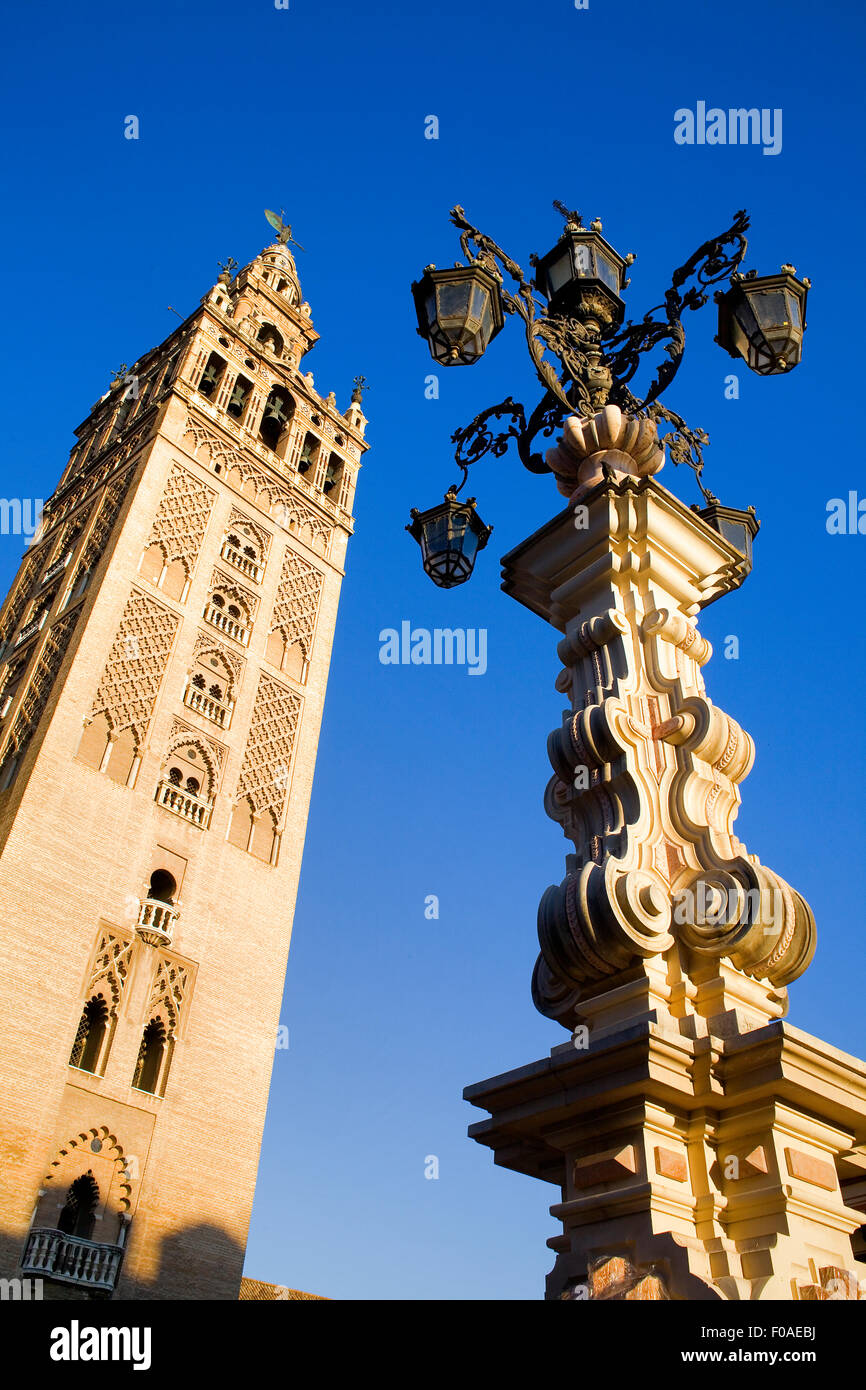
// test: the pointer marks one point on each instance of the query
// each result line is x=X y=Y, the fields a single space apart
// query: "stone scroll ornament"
x=645 y=785
x=609 y=443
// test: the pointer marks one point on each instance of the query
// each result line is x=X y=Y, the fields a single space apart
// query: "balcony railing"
x=230 y=626
x=184 y=804
x=240 y=561
x=31 y=629
x=56 y=569
x=205 y=704
x=72 y=1260
x=156 y=921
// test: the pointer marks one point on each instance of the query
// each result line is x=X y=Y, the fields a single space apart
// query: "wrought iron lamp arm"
x=709 y=265
x=536 y=324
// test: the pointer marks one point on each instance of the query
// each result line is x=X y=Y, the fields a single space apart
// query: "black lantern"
x=762 y=319
x=450 y=537
x=459 y=312
x=584 y=274
x=738 y=528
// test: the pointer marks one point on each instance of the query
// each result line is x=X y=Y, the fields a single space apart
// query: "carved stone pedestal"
x=710 y=1160
x=690 y=1130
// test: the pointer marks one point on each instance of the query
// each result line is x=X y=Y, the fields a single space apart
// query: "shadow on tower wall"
x=196 y=1263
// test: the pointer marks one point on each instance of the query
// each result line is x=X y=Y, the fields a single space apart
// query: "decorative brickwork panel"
x=239 y=519
x=264 y=775
x=182 y=519
x=213 y=754
x=297 y=601
x=21 y=594
x=42 y=680
x=206 y=645
x=169 y=992
x=103 y=525
x=274 y=496
x=130 y=682
x=226 y=584
x=111 y=965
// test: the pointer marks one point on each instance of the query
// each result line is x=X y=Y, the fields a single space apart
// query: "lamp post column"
x=698 y=1141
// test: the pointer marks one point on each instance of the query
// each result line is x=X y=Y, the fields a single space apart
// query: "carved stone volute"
x=660 y=901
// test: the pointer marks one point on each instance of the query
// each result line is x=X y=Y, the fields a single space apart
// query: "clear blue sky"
x=430 y=781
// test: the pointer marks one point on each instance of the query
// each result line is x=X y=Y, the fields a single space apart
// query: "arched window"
x=172 y=577
x=150 y=1071
x=254 y=833
x=163 y=886
x=289 y=656
x=211 y=688
x=333 y=473
x=187 y=767
x=229 y=613
x=78 y=1214
x=212 y=375
x=90 y=1038
x=309 y=453
x=270 y=337
x=239 y=397
x=279 y=408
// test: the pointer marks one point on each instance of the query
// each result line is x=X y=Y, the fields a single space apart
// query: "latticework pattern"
x=127 y=691
x=169 y=992
x=206 y=645
x=272 y=495
x=111 y=964
x=42 y=680
x=21 y=593
x=264 y=778
x=103 y=525
x=182 y=518
x=297 y=601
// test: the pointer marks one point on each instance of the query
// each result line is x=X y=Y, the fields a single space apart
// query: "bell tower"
x=165 y=653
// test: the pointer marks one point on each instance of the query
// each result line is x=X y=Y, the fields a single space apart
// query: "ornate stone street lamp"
x=703 y=1148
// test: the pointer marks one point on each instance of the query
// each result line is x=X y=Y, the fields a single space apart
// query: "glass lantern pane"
x=454 y=301
x=436 y=534
x=746 y=319
x=606 y=271
x=487 y=323
x=470 y=544
x=480 y=300
x=734 y=532
x=771 y=310
x=560 y=271
x=793 y=309
x=582 y=259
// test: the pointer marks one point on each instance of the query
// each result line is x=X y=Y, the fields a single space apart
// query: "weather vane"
x=282 y=228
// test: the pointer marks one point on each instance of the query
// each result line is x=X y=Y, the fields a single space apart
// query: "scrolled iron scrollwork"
x=594 y=369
